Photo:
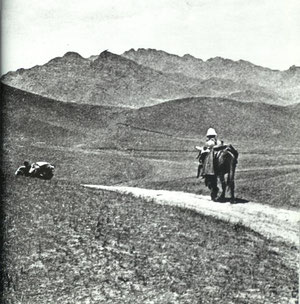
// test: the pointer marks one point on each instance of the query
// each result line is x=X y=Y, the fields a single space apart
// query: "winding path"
x=277 y=224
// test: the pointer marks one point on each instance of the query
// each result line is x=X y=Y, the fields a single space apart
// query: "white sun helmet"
x=211 y=132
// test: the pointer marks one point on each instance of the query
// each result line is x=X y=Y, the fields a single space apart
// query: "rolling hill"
x=30 y=118
x=148 y=77
x=252 y=124
x=176 y=124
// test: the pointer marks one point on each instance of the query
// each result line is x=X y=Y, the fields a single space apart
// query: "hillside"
x=30 y=118
x=148 y=77
x=284 y=85
x=154 y=146
x=176 y=124
x=295 y=108
x=253 y=124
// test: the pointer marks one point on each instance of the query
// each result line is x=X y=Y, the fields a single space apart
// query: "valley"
x=64 y=242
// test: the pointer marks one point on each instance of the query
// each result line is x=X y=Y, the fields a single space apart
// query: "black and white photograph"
x=150 y=151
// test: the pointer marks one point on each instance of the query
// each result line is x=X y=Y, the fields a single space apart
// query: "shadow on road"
x=241 y=201
x=237 y=201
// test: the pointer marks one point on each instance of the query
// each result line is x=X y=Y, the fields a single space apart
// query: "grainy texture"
x=66 y=244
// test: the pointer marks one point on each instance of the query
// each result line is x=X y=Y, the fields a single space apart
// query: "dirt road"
x=277 y=224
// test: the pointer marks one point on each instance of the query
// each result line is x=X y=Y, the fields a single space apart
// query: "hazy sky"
x=265 y=32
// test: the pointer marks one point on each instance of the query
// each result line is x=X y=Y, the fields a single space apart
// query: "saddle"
x=229 y=148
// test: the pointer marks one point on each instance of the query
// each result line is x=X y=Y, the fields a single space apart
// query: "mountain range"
x=145 y=77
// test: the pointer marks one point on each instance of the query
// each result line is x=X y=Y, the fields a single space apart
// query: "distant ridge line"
x=148 y=77
x=145 y=129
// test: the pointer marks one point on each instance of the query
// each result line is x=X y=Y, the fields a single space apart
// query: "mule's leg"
x=222 y=180
x=232 y=185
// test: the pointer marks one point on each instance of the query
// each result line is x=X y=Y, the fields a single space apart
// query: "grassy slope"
x=236 y=121
x=67 y=133
x=56 y=254
x=274 y=182
x=69 y=244
x=41 y=119
x=178 y=122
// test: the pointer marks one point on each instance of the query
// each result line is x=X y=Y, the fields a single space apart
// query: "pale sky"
x=265 y=32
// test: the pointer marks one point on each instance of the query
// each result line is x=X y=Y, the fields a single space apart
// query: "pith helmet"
x=211 y=132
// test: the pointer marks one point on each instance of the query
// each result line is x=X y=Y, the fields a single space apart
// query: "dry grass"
x=271 y=179
x=67 y=244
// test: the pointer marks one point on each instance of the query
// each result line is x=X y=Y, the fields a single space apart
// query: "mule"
x=224 y=163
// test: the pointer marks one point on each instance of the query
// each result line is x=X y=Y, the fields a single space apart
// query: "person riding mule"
x=206 y=166
x=216 y=160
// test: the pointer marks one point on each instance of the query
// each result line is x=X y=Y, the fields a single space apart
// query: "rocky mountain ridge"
x=147 y=77
x=285 y=84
